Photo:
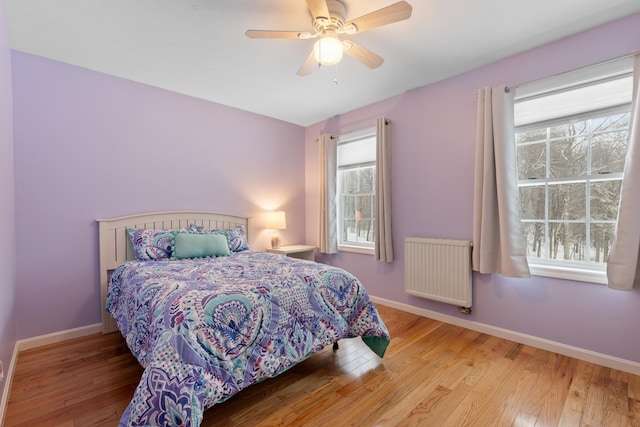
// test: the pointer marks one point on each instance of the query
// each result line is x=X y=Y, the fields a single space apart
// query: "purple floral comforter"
x=205 y=329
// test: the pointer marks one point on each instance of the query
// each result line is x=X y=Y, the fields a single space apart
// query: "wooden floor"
x=433 y=374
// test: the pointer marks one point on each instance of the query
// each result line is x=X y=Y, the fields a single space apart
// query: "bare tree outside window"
x=357 y=195
x=571 y=136
x=569 y=178
x=356 y=188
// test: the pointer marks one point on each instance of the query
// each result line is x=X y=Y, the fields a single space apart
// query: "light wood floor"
x=433 y=374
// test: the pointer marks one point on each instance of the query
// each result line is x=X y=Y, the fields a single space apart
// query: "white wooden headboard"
x=115 y=247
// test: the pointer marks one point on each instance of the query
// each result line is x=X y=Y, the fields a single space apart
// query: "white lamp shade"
x=328 y=50
x=276 y=220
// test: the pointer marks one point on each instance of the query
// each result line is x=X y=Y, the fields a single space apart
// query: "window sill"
x=569 y=273
x=357 y=250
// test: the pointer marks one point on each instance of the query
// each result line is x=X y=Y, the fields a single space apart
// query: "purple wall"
x=89 y=145
x=433 y=162
x=7 y=207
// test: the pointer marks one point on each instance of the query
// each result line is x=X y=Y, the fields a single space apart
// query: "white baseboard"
x=8 y=378
x=555 y=347
x=39 y=341
x=56 y=337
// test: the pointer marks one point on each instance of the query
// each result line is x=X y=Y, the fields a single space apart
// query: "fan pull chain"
x=335 y=79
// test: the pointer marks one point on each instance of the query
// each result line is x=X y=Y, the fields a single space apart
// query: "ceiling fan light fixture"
x=329 y=23
x=328 y=50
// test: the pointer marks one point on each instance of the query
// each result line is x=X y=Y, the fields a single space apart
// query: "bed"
x=207 y=317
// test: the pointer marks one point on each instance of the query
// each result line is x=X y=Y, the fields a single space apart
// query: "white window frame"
x=573 y=270
x=347 y=138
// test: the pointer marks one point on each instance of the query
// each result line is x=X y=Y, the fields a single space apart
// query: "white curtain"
x=623 y=266
x=497 y=232
x=383 y=240
x=327 y=215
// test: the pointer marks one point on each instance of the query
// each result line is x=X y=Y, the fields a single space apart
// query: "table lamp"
x=276 y=221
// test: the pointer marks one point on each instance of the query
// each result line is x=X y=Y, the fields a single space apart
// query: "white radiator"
x=438 y=269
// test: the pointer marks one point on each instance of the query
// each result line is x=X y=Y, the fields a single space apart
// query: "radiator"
x=438 y=269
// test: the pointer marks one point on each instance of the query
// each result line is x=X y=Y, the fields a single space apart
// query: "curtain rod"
x=387 y=122
x=506 y=90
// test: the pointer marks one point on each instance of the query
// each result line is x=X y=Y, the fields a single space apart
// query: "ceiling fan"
x=329 y=23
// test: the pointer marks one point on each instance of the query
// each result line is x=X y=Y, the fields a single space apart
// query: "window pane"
x=364 y=218
x=567 y=201
x=608 y=152
x=605 y=197
x=348 y=207
x=349 y=230
x=366 y=179
x=568 y=157
x=350 y=181
x=532 y=202
x=601 y=239
x=364 y=208
x=535 y=135
x=532 y=160
x=567 y=241
x=557 y=234
x=533 y=233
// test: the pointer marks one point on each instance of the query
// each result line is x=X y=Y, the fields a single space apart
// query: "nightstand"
x=295 y=251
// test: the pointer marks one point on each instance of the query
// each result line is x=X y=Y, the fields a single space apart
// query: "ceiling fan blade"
x=318 y=8
x=363 y=55
x=268 y=34
x=307 y=66
x=387 y=15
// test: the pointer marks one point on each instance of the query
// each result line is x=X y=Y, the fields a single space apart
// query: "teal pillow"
x=237 y=236
x=190 y=244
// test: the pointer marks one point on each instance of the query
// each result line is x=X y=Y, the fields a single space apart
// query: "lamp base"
x=275 y=242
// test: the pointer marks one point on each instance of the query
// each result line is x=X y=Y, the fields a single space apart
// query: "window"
x=356 y=190
x=571 y=138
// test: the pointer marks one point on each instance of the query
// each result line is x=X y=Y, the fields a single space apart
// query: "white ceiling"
x=198 y=47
